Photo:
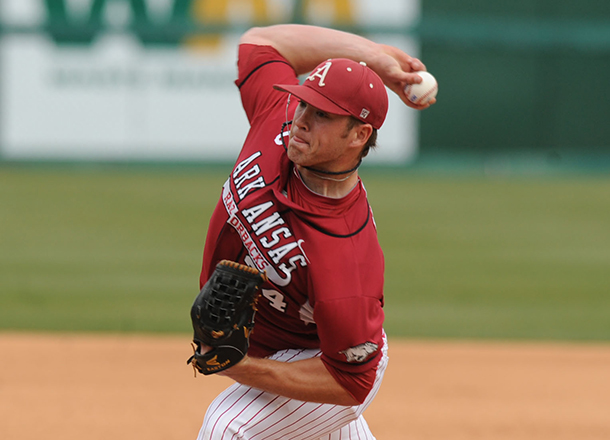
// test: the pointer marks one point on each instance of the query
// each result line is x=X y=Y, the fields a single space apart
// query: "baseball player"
x=295 y=208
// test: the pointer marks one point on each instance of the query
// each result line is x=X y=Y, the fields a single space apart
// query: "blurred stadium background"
x=119 y=120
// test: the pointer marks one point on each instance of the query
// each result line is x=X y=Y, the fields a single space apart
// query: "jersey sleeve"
x=351 y=340
x=259 y=68
x=348 y=311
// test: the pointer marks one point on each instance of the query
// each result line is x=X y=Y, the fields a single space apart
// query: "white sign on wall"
x=116 y=94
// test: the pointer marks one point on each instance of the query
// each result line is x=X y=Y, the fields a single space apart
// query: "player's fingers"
x=420 y=107
x=399 y=79
x=412 y=78
x=409 y=63
x=406 y=62
x=401 y=94
x=417 y=65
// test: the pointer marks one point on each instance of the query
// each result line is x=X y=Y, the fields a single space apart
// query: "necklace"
x=321 y=176
x=300 y=177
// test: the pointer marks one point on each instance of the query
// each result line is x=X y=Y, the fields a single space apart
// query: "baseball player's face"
x=320 y=139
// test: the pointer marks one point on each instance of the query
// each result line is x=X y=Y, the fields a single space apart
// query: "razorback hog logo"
x=360 y=352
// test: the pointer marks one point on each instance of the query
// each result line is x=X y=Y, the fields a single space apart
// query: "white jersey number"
x=276 y=299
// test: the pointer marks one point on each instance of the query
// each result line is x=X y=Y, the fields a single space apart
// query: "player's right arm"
x=304 y=47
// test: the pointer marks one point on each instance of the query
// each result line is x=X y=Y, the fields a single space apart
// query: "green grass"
x=496 y=258
x=102 y=250
x=119 y=249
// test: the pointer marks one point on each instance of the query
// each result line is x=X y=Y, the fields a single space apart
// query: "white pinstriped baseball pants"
x=244 y=413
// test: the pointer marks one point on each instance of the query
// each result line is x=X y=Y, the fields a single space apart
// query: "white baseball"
x=423 y=92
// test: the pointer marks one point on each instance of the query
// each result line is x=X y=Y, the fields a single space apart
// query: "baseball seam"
x=424 y=96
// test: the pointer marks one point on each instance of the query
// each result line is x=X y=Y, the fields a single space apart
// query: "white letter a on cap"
x=321 y=73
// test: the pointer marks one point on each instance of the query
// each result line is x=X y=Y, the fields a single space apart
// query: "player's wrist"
x=237 y=370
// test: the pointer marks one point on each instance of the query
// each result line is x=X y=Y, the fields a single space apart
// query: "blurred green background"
x=500 y=228
x=467 y=255
x=523 y=79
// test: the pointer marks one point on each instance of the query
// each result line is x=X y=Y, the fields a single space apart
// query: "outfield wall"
x=523 y=77
x=125 y=80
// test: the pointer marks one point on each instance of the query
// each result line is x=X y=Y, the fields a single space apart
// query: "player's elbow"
x=256 y=35
x=360 y=396
x=356 y=385
x=346 y=399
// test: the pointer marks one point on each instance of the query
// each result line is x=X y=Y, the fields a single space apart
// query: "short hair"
x=372 y=140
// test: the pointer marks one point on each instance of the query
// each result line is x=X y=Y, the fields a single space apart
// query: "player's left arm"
x=307 y=380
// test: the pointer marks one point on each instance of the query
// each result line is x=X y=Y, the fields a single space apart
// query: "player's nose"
x=302 y=118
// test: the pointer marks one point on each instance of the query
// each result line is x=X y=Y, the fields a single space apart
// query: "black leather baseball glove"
x=223 y=317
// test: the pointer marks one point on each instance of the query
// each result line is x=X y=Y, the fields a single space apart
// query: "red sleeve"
x=259 y=68
x=348 y=311
x=351 y=339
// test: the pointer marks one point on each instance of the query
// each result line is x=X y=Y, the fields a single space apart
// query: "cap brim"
x=312 y=97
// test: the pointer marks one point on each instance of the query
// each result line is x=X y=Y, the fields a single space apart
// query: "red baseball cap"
x=344 y=87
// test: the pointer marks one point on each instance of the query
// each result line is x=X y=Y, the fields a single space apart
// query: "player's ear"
x=361 y=134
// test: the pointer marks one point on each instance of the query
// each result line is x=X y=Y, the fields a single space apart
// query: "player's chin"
x=297 y=153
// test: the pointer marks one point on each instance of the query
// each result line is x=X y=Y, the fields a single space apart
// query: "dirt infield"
x=76 y=387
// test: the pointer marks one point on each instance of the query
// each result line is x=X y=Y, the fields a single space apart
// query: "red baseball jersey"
x=322 y=255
